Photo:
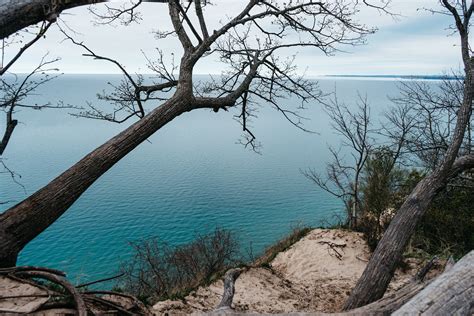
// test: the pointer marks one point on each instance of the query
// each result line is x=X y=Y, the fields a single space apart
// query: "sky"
x=416 y=42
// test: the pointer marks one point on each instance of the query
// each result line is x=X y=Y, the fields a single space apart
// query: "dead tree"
x=248 y=44
x=343 y=175
x=379 y=271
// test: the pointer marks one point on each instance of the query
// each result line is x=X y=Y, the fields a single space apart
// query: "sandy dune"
x=315 y=274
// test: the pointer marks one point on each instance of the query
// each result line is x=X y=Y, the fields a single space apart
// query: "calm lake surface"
x=190 y=177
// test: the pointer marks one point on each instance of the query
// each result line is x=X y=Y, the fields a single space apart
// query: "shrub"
x=448 y=226
x=446 y=229
x=159 y=271
x=380 y=183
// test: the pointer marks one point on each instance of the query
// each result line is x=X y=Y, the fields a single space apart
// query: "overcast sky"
x=415 y=43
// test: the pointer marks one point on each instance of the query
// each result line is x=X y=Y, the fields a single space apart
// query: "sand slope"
x=315 y=274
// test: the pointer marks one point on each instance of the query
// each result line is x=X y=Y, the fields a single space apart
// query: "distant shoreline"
x=389 y=77
x=409 y=77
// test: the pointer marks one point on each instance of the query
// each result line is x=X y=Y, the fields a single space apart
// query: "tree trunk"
x=26 y=220
x=18 y=14
x=229 y=289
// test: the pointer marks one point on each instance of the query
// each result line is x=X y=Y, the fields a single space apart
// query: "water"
x=190 y=177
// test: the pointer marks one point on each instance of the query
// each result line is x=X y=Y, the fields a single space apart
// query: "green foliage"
x=380 y=183
x=448 y=225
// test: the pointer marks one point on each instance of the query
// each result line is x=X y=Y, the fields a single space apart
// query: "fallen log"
x=452 y=293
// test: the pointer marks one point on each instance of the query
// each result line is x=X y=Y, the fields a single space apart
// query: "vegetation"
x=252 y=46
x=445 y=229
x=159 y=271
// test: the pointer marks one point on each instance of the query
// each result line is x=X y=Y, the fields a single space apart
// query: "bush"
x=380 y=183
x=448 y=226
x=159 y=271
x=446 y=229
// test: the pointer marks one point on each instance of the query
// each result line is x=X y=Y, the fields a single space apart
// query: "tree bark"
x=229 y=289
x=26 y=220
x=11 y=124
x=18 y=14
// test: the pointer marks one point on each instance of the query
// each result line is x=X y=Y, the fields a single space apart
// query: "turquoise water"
x=190 y=177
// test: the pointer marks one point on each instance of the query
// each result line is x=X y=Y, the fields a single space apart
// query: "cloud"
x=415 y=43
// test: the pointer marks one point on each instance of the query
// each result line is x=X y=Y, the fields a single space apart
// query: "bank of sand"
x=315 y=274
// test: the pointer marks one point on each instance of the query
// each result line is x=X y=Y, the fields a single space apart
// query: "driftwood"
x=452 y=293
x=229 y=289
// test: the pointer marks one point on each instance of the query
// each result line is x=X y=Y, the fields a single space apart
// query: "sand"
x=315 y=274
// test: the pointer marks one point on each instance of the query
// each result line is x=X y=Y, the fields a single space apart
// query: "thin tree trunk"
x=11 y=124
x=26 y=220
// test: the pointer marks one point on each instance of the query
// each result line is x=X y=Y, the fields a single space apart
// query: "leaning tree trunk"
x=26 y=220
x=379 y=271
x=18 y=14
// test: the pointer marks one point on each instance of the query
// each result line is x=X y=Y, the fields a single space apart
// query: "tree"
x=379 y=271
x=343 y=178
x=248 y=44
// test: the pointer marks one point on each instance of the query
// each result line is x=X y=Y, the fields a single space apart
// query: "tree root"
x=84 y=302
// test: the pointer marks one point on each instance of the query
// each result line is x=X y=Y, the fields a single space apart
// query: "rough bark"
x=18 y=14
x=24 y=221
x=452 y=293
x=229 y=289
x=11 y=124
x=381 y=267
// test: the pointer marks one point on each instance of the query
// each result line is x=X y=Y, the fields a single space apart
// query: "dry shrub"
x=159 y=271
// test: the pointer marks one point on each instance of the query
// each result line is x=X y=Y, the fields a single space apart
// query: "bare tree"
x=434 y=111
x=15 y=90
x=379 y=271
x=343 y=176
x=248 y=44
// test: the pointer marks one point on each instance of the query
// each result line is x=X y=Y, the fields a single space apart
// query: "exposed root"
x=38 y=297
